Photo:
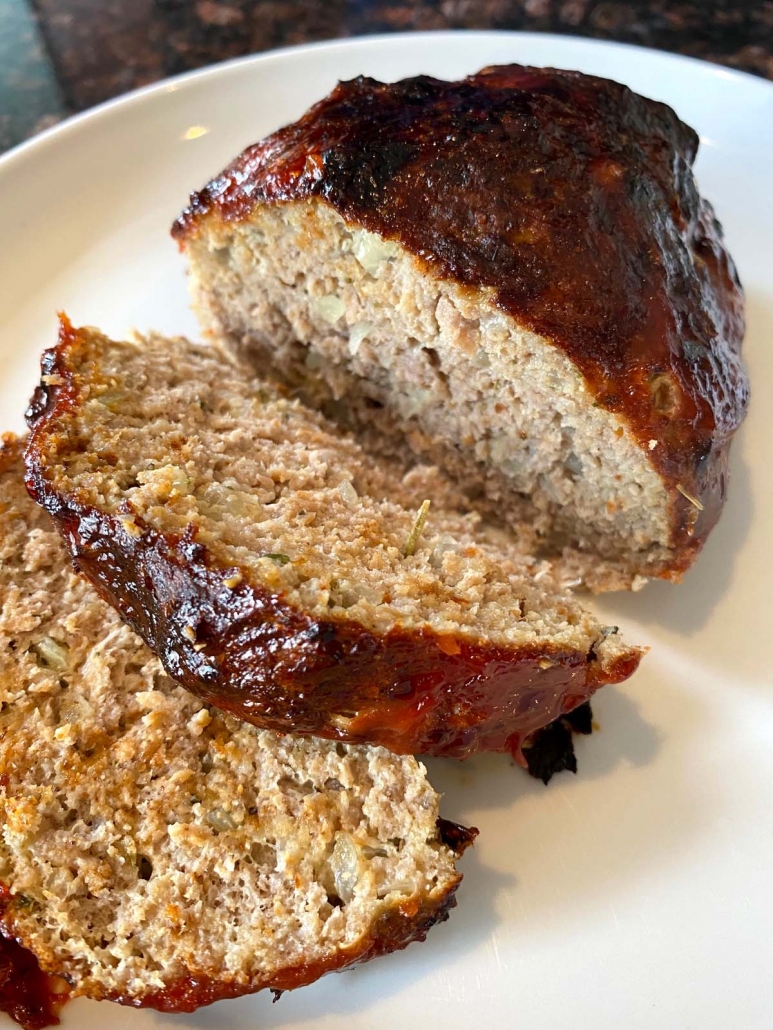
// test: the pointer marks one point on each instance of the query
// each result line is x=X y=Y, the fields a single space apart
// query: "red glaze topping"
x=26 y=993
x=263 y=660
x=29 y=996
x=574 y=199
x=273 y=665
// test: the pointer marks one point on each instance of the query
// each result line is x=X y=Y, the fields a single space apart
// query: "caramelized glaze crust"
x=35 y=979
x=268 y=662
x=573 y=200
x=31 y=996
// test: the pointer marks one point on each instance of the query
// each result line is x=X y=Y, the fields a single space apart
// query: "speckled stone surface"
x=71 y=54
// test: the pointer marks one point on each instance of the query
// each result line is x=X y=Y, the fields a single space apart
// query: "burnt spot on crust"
x=457 y=838
x=573 y=199
x=580 y=719
x=551 y=750
x=365 y=174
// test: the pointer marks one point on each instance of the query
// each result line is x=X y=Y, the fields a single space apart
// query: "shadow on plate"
x=622 y=737
x=637 y=810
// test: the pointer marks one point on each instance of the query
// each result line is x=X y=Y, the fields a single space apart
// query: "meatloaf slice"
x=276 y=570
x=516 y=275
x=157 y=852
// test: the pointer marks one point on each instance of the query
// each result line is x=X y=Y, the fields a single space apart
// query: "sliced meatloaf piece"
x=276 y=569
x=157 y=852
x=515 y=275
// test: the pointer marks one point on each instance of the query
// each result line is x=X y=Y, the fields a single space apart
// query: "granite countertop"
x=58 y=57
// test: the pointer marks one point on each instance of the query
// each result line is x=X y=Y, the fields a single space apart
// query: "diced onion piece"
x=221 y=820
x=112 y=400
x=52 y=654
x=348 y=493
x=398 y=887
x=166 y=482
x=314 y=361
x=345 y=864
x=75 y=711
x=370 y=250
x=443 y=545
x=331 y=308
x=416 y=401
x=358 y=332
x=500 y=449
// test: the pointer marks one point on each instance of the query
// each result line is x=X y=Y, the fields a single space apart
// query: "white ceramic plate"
x=637 y=894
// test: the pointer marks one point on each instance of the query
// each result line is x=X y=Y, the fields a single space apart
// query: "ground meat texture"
x=512 y=276
x=157 y=852
x=263 y=555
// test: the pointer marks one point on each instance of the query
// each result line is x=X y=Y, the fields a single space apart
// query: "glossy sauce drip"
x=27 y=994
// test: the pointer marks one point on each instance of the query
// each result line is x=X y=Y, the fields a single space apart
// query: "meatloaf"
x=285 y=575
x=157 y=852
x=512 y=276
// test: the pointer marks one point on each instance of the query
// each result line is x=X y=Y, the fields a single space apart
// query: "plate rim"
x=47 y=145
x=175 y=82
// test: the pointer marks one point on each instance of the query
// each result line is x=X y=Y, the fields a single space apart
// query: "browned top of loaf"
x=569 y=196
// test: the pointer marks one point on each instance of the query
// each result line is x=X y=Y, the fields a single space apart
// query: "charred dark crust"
x=551 y=752
x=457 y=838
x=574 y=199
x=551 y=749
x=249 y=652
x=580 y=719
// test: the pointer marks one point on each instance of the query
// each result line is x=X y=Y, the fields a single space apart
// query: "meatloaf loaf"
x=515 y=276
x=285 y=575
x=156 y=852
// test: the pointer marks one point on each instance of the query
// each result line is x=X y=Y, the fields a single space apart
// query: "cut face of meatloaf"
x=276 y=569
x=513 y=276
x=157 y=852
